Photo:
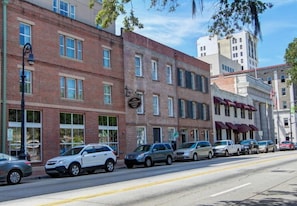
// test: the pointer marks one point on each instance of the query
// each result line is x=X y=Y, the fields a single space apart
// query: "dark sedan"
x=249 y=146
x=12 y=170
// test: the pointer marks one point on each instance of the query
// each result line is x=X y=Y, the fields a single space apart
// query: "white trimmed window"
x=106 y=58
x=140 y=109
x=70 y=47
x=156 y=109
x=107 y=93
x=25 y=33
x=138 y=66
x=169 y=74
x=28 y=81
x=71 y=88
x=64 y=8
x=170 y=107
x=154 y=70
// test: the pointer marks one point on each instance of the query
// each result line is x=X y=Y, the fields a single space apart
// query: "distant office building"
x=240 y=47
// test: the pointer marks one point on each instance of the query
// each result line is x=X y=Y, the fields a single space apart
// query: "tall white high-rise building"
x=240 y=47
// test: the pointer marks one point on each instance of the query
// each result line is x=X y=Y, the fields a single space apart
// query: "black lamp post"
x=26 y=49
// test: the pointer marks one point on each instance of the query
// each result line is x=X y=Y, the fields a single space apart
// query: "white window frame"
x=156 y=107
x=28 y=81
x=170 y=107
x=106 y=57
x=138 y=65
x=141 y=135
x=26 y=35
x=183 y=108
x=154 y=64
x=140 y=109
x=169 y=74
x=107 y=93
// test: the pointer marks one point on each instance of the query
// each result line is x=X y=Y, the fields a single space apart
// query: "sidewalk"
x=38 y=172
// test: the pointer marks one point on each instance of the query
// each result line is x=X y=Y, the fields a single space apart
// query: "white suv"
x=85 y=157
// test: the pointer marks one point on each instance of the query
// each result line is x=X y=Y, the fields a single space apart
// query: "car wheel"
x=14 y=177
x=209 y=155
x=74 y=169
x=169 y=160
x=238 y=152
x=226 y=153
x=129 y=166
x=249 y=151
x=148 y=162
x=109 y=166
x=257 y=151
x=195 y=157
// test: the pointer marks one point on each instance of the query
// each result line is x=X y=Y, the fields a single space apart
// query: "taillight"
x=28 y=163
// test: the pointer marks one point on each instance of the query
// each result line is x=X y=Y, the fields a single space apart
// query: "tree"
x=291 y=59
x=229 y=17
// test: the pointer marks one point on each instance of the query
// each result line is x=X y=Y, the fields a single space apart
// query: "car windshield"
x=262 y=143
x=142 y=148
x=72 y=151
x=5 y=157
x=188 y=145
x=220 y=143
x=245 y=142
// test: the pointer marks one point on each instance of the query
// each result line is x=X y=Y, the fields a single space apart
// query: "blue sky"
x=180 y=31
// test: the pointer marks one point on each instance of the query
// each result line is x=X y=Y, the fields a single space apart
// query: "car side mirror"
x=84 y=153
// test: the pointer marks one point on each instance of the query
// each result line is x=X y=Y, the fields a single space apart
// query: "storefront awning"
x=253 y=127
x=220 y=125
x=252 y=108
x=242 y=128
x=231 y=125
x=246 y=107
x=230 y=103
x=218 y=100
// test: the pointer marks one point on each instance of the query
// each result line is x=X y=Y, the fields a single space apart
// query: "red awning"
x=242 y=128
x=252 y=108
x=246 y=107
x=231 y=125
x=220 y=125
x=230 y=103
x=238 y=105
x=253 y=127
x=218 y=100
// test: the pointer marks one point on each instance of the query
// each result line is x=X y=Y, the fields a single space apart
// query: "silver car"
x=12 y=170
x=266 y=146
x=194 y=151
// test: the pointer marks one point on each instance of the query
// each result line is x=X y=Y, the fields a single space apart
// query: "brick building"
x=74 y=93
x=173 y=89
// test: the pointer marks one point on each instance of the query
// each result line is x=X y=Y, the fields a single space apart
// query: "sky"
x=180 y=31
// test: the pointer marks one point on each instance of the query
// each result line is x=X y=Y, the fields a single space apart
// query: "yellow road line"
x=136 y=187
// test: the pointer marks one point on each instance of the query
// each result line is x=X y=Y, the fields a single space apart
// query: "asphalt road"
x=265 y=179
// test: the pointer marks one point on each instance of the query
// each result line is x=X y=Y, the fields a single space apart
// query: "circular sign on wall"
x=134 y=102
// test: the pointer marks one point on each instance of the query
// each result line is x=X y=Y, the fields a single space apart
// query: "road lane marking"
x=230 y=190
x=164 y=181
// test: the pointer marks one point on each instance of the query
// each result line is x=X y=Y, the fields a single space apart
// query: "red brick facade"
x=50 y=66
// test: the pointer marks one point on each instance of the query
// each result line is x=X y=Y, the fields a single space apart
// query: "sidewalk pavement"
x=38 y=172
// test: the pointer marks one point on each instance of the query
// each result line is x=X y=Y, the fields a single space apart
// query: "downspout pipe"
x=3 y=76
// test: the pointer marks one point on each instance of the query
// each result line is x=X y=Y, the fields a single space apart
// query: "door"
x=157 y=134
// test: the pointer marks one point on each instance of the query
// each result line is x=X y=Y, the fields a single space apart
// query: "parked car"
x=149 y=154
x=225 y=148
x=266 y=146
x=249 y=146
x=286 y=145
x=12 y=170
x=82 y=158
x=194 y=151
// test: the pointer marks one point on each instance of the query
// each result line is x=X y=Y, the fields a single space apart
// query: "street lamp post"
x=27 y=49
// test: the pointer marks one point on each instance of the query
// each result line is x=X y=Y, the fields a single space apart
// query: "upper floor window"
x=170 y=106
x=182 y=108
x=193 y=80
x=284 y=105
x=169 y=74
x=25 y=33
x=283 y=91
x=70 y=47
x=28 y=82
x=269 y=80
x=107 y=93
x=242 y=112
x=194 y=110
x=217 y=107
x=286 y=122
x=227 y=110
x=138 y=66
x=64 y=8
x=156 y=108
x=106 y=58
x=181 y=77
x=140 y=109
x=283 y=78
x=154 y=70
x=71 y=88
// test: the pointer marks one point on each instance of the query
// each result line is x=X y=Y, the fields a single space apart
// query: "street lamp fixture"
x=27 y=49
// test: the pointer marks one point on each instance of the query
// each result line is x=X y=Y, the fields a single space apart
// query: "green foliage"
x=291 y=59
x=230 y=16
